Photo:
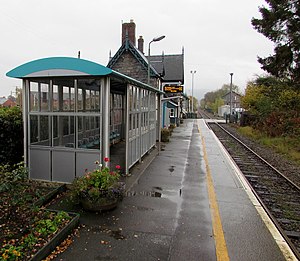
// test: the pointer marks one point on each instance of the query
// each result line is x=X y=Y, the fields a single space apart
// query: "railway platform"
x=185 y=202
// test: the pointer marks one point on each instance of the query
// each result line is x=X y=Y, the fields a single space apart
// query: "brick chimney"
x=141 y=44
x=129 y=30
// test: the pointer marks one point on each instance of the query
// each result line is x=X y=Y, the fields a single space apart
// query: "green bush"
x=11 y=135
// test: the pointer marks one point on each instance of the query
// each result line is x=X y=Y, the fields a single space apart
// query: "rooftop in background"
x=171 y=65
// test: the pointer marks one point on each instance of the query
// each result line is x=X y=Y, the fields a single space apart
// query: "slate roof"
x=171 y=66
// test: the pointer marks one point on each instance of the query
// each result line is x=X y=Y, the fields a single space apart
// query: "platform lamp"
x=156 y=39
x=193 y=73
x=230 y=110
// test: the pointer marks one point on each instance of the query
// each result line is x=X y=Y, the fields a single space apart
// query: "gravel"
x=290 y=169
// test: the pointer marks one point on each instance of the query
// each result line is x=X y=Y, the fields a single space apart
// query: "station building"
x=165 y=70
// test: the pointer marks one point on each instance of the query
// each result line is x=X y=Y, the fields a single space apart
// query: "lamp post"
x=193 y=73
x=231 y=74
x=156 y=39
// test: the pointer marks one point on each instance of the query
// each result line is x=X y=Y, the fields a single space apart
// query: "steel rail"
x=261 y=158
x=274 y=220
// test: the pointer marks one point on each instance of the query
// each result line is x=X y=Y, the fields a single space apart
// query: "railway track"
x=204 y=115
x=278 y=195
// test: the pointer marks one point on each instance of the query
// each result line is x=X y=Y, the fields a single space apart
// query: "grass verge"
x=288 y=147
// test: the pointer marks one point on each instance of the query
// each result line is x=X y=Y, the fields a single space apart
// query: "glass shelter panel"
x=116 y=117
x=63 y=95
x=45 y=96
x=34 y=96
x=63 y=131
x=55 y=106
x=40 y=130
x=88 y=132
x=88 y=95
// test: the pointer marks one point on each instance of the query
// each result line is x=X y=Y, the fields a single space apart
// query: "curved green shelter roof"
x=59 y=66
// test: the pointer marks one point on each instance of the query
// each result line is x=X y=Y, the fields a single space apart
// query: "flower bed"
x=24 y=227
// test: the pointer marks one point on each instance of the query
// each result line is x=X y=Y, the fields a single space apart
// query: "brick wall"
x=129 y=30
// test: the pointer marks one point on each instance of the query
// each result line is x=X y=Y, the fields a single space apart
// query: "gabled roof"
x=128 y=46
x=170 y=65
x=228 y=94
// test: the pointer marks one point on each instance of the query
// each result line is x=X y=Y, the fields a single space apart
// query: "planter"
x=57 y=239
x=48 y=197
x=102 y=204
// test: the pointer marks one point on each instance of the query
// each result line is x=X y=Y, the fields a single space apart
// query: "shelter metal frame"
x=71 y=119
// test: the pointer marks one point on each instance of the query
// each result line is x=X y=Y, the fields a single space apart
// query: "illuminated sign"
x=173 y=88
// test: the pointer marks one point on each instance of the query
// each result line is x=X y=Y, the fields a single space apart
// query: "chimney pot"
x=128 y=29
x=141 y=44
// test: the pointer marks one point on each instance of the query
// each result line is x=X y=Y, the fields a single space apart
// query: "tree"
x=212 y=100
x=275 y=106
x=280 y=23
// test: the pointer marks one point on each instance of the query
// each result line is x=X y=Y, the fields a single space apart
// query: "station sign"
x=168 y=88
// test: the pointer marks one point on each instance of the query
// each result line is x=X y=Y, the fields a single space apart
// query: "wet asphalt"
x=165 y=214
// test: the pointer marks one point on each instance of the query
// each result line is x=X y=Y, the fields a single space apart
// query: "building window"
x=172 y=113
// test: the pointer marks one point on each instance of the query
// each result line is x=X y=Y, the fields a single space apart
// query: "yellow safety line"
x=221 y=248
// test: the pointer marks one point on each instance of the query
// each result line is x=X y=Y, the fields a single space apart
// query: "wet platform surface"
x=166 y=214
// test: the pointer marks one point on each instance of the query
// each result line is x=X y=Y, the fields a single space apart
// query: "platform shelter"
x=74 y=110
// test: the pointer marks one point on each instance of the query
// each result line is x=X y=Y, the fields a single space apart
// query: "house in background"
x=235 y=100
x=236 y=109
x=7 y=102
x=165 y=70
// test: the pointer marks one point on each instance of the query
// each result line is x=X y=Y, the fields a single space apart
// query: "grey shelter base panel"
x=40 y=164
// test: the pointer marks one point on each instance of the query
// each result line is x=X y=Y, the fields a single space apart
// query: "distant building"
x=235 y=100
x=7 y=102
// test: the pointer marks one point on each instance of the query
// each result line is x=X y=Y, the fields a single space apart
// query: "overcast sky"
x=217 y=35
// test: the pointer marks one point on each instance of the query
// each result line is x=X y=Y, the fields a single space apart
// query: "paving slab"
x=166 y=215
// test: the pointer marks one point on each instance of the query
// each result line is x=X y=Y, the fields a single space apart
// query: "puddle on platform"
x=172 y=168
x=157 y=192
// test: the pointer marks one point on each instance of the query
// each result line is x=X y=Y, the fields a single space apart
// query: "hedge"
x=11 y=135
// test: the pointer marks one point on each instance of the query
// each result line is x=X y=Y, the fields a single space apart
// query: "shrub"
x=11 y=135
x=165 y=135
x=282 y=124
